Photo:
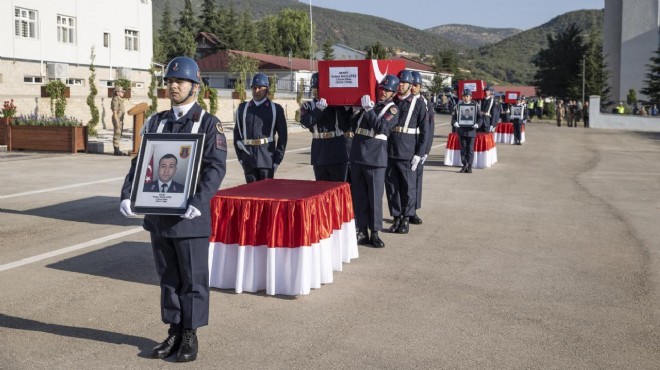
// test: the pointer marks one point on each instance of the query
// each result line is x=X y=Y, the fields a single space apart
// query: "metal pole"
x=311 y=38
x=583 y=78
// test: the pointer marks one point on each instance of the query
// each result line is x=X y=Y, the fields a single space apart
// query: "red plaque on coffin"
x=344 y=82
x=476 y=86
x=510 y=97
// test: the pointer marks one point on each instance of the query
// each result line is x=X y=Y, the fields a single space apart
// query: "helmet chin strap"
x=192 y=88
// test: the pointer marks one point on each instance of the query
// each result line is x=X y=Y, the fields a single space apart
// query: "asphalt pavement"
x=547 y=260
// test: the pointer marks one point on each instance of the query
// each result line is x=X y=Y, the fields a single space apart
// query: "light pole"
x=311 y=38
x=583 y=79
x=291 y=69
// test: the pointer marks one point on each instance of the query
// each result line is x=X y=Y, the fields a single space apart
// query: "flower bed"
x=64 y=134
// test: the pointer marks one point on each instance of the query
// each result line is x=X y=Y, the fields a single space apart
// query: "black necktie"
x=164 y=187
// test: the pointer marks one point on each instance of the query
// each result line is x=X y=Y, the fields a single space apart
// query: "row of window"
x=38 y=80
x=26 y=20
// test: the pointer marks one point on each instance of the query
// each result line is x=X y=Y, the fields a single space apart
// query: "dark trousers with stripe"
x=367 y=188
x=401 y=187
x=467 y=149
x=257 y=174
x=420 y=177
x=331 y=172
x=183 y=270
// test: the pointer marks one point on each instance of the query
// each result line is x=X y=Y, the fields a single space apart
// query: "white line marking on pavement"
x=72 y=248
x=59 y=188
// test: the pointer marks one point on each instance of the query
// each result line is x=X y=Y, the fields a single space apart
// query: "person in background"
x=654 y=110
x=489 y=111
x=328 y=126
x=260 y=133
x=560 y=112
x=467 y=134
x=117 y=108
x=519 y=122
x=416 y=88
x=180 y=244
x=585 y=109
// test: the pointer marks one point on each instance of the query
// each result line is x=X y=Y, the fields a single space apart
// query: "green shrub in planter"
x=35 y=120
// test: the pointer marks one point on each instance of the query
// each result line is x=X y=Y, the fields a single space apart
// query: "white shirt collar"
x=404 y=97
x=181 y=110
x=258 y=103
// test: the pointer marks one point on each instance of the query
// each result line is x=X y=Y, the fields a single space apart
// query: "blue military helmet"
x=184 y=68
x=467 y=92
x=389 y=82
x=315 y=80
x=260 y=79
x=416 y=78
x=405 y=76
x=489 y=88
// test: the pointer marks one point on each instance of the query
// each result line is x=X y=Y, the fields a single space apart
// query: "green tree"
x=269 y=34
x=188 y=28
x=376 y=51
x=631 y=98
x=595 y=69
x=559 y=66
x=328 y=51
x=240 y=66
x=229 y=27
x=153 y=107
x=250 y=40
x=91 y=98
x=652 y=83
x=165 y=49
x=210 y=17
x=294 y=33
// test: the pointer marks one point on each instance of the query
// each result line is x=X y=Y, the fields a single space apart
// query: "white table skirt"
x=501 y=137
x=483 y=159
x=287 y=271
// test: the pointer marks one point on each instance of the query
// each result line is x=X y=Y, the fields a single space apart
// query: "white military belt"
x=265 y=140
x=403 y=130
x=370 y=133
x=326 y=135
x=349 y=134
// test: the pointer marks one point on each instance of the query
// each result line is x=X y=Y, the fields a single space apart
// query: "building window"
x=107 y=83
x=131 y=38
x=25 y=23
x=74 y=81
x=66 y=29
x=138 y=85
x=33 y=79
x=106 y=39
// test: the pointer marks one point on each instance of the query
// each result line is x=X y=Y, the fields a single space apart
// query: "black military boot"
x=403 y=227
x=188 y=348
x=376 y=241
x=119 y=152
x=415 y=220
x=362 y=237
x=463 y=170
x=469 y=169
x=169 y=345
x=395 y=225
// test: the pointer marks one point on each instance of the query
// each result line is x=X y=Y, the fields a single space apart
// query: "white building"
x=42 y=40
x=343 y=52
x=630 y=39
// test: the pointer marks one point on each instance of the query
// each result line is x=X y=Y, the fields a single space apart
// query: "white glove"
x=367 y=104
x=456 y=124
x=476 y=125
x=125 y=208
x=424 y=158
x=492 y=128
x=321 y=104
x=415 y=162
x=191 y=213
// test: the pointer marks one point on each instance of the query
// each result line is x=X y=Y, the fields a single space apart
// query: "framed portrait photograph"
x=516 y=112
x=467 y=115
x=166 y=173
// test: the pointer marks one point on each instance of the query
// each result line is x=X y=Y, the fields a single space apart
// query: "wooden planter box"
x=111 y=93
x=4 y=122
x=44 y=94
x=46 y=138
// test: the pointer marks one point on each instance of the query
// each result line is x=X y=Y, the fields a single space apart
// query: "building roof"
x=413 y=64
x=210 y=38
x=219 y=62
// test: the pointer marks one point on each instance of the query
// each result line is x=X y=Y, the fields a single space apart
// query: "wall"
x=619 y=121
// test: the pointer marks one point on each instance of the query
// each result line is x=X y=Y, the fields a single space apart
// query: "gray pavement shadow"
x=649 y=135
x=98 y=210
x=143 y=344
x=133 y=262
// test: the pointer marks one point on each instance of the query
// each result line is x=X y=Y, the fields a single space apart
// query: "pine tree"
x=91 y=98
x=652 y=82
x=188 y=28
x=376 y=51
x=294 y=33
x=328 y=51
x=595 y=69
x=248 y=30
x=165 y=36
x=210 y=17
x=270 y=39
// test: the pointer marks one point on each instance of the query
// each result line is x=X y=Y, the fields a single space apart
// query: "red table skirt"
x=485 y=152
x=504 y=133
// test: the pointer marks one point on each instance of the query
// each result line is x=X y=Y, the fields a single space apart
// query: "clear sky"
x=423 y=14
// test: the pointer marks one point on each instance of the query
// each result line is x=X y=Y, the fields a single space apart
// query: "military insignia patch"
x=184 y=151
x=393 y=110
x=220 y=141
x=218 y=127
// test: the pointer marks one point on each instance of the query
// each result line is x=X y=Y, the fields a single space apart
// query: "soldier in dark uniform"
x=405 y=149
x=260 y=133
x=166 y=171
x=374 y=122
x=454 y=102
x=466 y=133
x=504 y=110
x=181 y=243
x=430 y=130
x=490 y=112
x=518 y=122
x=328 y=126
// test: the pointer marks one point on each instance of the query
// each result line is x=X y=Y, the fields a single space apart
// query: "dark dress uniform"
x=408 y=139
x=181 y=246
x=490 y=113
x=467 y=135
x=329 y=155
x=369 y=161
x=430 y=131
x=260 y=137
x=156 y=187
x=504 y=111
x=518 y=122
